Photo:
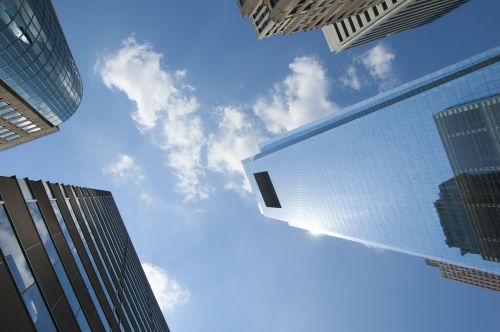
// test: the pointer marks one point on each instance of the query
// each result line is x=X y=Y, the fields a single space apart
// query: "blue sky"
x=175 y=94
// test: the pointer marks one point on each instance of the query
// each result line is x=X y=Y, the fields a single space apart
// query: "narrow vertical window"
x=267 y=189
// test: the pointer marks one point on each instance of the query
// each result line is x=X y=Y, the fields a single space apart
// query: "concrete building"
x=384 y=19
x=40 y=86
x=271 y=17
x=373 y=172
x=466 y=275
x=67 y=262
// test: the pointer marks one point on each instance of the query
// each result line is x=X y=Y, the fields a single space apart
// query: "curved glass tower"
x=40 y=83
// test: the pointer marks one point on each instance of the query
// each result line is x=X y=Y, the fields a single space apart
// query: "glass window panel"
x=43 y=232
x=6 y=110
x=7 y=133
x=12 y=115
x=13 y=253
x=38 y=310
x=23 y=277
x=10 y=138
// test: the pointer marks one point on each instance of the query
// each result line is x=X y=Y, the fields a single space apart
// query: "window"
x=267 y=189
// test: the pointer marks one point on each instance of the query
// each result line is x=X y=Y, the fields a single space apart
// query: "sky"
x=176 y=93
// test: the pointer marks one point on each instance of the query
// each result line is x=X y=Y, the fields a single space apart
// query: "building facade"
x=40 y=86
x=67 y=262
x=374 y=172
x=271 y=17
x=384 y=19
x=466 y=275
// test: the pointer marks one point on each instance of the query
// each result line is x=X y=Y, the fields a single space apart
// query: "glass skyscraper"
x=67 y=262
x=415 y=169
x=40 y=86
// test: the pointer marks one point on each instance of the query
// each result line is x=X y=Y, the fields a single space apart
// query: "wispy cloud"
x=378 y=60
x=236 y=138
x=300 y=98
x=166 y=109
x=373 y=67
x=377 y=249
x=168 y=292
x=351 y=78
x=126 y=170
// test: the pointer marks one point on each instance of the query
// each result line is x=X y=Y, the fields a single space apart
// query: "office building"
x=67 y=262
x=40 y=86
x=373 y=172
x=454 y=220
x=271 y=17
x=384 y=19
x=466 y=275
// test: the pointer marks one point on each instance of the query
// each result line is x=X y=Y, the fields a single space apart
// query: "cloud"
x=236 y=138
x=168 y=292
x=378 y=61
x=125 y=169
x=300 y=98
x=374 y=247
x=351 y=78
x=166 y=110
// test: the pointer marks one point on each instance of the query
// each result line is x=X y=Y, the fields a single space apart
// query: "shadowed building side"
x=67 y=262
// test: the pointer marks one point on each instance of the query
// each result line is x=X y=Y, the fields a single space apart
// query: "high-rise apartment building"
x=383 y=19
x=40 y=86
x=466 y=275
x=67 y=262
x=270 y=17
x=414 y=169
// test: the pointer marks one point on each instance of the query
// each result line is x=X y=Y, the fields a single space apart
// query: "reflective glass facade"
x=413 y=170
x=35 y=60
x=68 y=262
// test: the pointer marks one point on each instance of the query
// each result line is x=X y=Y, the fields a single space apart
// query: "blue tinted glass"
x=89 y=254
x=38 y=310
x=29 y=35
x=22 y=275
x=13 y=253
x=66 y=285
x=54 y=257
x=414 y=170
x=79 y=264
x=82 y=322
x=43 y=232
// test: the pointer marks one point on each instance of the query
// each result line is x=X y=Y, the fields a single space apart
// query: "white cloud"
x=351 y=78
x=165 y=109
x=301 y=98
x=378 y=61
x=168 y=292
x=125 y=169
x=168 y=111
x=374 y=247
x=237 y=138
